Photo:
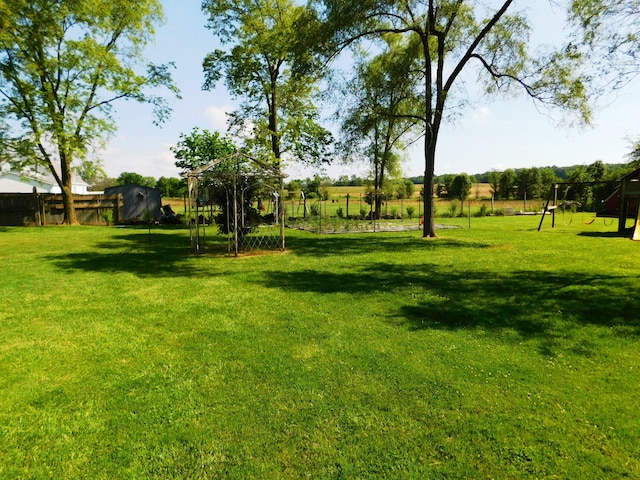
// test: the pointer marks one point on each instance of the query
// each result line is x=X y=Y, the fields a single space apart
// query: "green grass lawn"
x=490 y=352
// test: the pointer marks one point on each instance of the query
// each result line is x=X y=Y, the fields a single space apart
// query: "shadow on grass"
x=162 y=252
x=545 y=305
x=626 y=233
x=366 y=243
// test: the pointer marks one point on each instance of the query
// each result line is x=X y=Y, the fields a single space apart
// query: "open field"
x=478 y=190
x=490 y=352
x=351 y=200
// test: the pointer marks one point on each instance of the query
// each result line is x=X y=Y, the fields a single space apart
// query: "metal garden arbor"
x=247 y=196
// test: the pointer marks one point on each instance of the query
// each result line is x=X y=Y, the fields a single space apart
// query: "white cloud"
x=481 y=114
x=217 y=117
x=157 y=161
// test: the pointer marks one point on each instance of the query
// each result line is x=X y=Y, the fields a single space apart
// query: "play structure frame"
x=621 y=204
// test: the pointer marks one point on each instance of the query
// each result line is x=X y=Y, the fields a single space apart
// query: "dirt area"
x=369 y=227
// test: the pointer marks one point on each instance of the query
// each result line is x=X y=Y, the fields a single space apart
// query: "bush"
x=410 y=212
x=107 y=215
x=315 y=210
x=483 y=212
x=453 y=209
x=340 y=212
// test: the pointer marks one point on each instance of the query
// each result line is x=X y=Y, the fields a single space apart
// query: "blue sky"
x=491 y=133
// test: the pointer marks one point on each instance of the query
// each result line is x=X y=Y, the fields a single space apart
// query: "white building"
x=16 y=182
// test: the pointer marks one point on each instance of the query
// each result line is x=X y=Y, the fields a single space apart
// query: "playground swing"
x=574 y=207
x=582 y=218
x=563 y=209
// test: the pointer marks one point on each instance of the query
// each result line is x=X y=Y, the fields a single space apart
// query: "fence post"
x=36 y=208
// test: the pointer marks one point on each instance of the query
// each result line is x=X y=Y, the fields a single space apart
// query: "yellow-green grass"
x=478 y=190
x=491 y=352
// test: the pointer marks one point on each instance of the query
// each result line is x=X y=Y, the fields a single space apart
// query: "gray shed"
x=136 y=200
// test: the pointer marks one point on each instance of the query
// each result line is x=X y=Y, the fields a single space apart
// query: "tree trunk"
x=70 y=217
x=429 y=229
x=66 y=185
x=431 y=134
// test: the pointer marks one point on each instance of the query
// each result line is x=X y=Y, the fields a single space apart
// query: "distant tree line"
x=510 y=184
x=318 y=187
x=168 y=186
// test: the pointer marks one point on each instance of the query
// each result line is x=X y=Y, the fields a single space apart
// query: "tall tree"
x=494 y=181
x=454 y=35
x=380 y=116
x=529 y=183
x=508 y=181
x=266 y=66
x=62 y=66
x=460 y=188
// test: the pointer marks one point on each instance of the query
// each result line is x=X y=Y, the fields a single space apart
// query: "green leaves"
x=63 y=65
x=453 y=37
x=270 y=65
x=384 y=108
x=607 y=32
x=201 y=147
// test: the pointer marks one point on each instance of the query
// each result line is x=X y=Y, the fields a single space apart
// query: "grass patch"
x=495 y=352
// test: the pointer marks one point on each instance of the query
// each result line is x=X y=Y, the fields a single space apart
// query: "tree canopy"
x=62 y=67
x=454 y=35
x=128 y=178
x=379 y=119
x=607 y=31
x=267 y=66
x=201 y=147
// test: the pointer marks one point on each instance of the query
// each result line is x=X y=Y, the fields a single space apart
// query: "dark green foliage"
x=126 y=178
x=270 y=62
x=172 y=187
x=589 y=196
x=460 y=187
x=507 y=184
x=199 y=148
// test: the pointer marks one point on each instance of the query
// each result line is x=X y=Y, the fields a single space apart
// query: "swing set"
x=553 y=203
x=621 y=204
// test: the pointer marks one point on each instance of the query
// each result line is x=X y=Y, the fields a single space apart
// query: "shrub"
x=483 y=212
x=315 y=210
x=340 y=212
x=107 y=215
x=410 y=212
x=453 y=209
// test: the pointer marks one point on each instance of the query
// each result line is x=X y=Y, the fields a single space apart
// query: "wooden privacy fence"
x=17 y=209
